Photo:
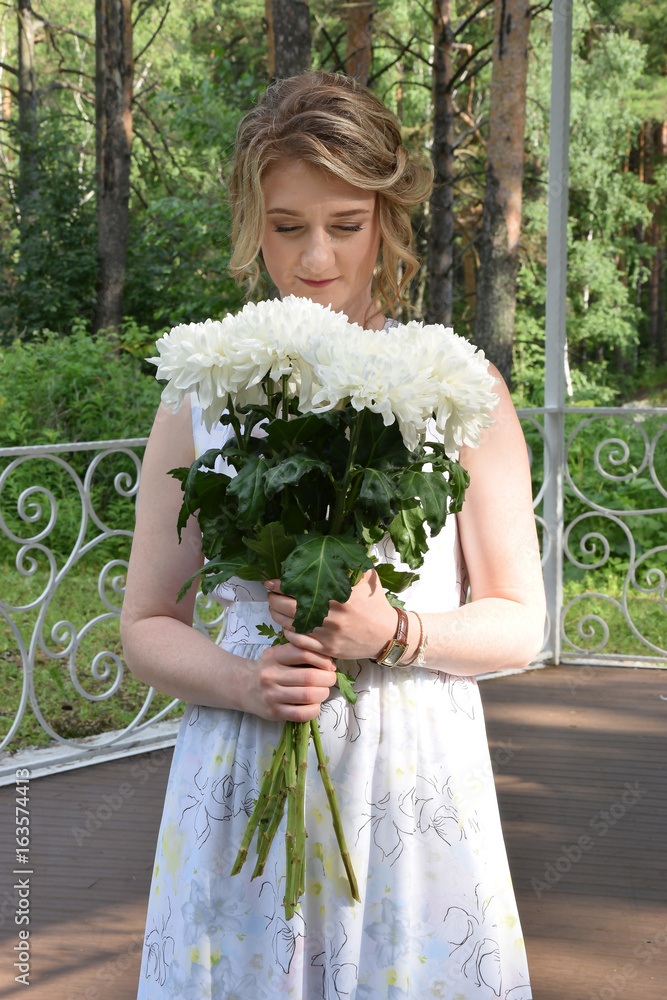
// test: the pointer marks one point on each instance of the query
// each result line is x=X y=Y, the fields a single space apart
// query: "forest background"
x=69 y=364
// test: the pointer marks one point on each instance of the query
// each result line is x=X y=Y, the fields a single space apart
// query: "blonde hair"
x=339 y=125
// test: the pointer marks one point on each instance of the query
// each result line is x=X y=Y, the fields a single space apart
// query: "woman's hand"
x=288 y=683
x=356 y=629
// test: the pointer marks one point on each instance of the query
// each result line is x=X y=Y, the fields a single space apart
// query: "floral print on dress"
x=339 y=977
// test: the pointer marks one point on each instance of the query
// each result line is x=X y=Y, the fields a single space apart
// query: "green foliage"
x=76 y=388
x=199 y=67
x=56 y=389
x=318 y=570
x=73 y=717
x=48 y=262
x=356 y=481
x=609 y=209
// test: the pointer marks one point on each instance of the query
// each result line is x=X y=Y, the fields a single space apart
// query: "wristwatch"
x=390 y=654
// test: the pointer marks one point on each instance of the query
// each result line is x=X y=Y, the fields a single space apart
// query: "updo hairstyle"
x=335 y=123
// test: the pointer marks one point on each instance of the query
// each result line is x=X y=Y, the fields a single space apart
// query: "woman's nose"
x=317 y=254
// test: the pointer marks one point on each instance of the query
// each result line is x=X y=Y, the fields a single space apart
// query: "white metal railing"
x=86 y=485
x=601 y=501
x=610 y=468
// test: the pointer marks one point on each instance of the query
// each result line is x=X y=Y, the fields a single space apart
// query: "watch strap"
x=390 y=654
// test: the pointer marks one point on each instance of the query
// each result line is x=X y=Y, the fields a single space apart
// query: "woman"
x=321 y=189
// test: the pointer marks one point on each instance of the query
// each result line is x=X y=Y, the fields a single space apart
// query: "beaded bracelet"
x=418 y=658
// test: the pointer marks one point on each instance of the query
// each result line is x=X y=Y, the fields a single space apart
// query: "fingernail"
x=270 y=584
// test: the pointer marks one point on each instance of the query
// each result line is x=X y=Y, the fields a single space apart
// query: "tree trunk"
x=661 y=321
x=441 y=242
x=655 y=155
x=501 y=219
x=358 y=40
x=113 y=106
x=28 y=185
x=288 y=23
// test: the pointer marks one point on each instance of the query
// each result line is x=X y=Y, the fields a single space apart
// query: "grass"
x=69 y=713
x=645 y=610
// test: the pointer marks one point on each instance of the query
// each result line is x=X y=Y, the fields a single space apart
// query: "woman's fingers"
x=282 y=606
x=290 y=683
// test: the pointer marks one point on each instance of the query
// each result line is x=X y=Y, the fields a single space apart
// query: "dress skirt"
x=412 y=771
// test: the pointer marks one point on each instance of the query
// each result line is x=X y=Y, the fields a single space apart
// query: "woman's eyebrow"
x=334 y=215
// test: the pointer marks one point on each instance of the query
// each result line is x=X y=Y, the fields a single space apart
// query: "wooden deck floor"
x=580 y=759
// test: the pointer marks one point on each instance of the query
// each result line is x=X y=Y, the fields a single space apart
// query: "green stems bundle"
x=284 y=783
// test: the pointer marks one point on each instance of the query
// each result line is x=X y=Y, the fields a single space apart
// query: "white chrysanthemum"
x=465 y=395
x=214 y=359
x=370 y=369
x=192 y=357
x=411 y=374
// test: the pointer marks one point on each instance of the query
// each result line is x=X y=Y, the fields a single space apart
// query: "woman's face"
x=321 y=239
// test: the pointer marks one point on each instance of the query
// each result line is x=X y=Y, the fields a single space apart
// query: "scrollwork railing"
x=66 y=520
x=614 y=532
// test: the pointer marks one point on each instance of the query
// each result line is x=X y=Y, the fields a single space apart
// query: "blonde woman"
x=322 y=188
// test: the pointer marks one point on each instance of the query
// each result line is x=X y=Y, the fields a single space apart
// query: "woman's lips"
x=317 y=284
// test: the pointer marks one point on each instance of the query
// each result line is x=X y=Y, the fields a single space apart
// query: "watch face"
x=394 y=654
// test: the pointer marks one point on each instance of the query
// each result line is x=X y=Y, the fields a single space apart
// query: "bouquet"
x=330 y=450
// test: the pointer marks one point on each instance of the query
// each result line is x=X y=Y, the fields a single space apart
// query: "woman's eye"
x=286 y=229
x=351 y=229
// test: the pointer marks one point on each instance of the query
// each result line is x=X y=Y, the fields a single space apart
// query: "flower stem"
x=235 y=422
x=335 y=812
x=273 y=814
x=261 y=804
x=291 y=832
x=341 y=493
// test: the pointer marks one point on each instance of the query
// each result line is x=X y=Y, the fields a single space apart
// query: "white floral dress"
x=410 y=763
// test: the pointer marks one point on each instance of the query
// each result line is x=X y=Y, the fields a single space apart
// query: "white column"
x=554 y=374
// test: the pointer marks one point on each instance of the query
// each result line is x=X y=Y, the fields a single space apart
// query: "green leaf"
x=366 y=528
x=223 y=568
x=459 y=481
x=393 y=579
x=287 y=435
x=278 y=636
x=371 y=535
x=394 y=601
x=272 y=546
x=220 y=532
x=290 y=471
x=201 y=489
x=377 y=492
x=407 y=533
x=226 y=566
x=346 y=687
x=434 y=491
x=293 y=519
x=318 y=571
x=382 y=447
x=248 y=488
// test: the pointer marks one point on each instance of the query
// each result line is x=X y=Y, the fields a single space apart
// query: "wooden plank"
x=92 y=849
x=598 y=929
